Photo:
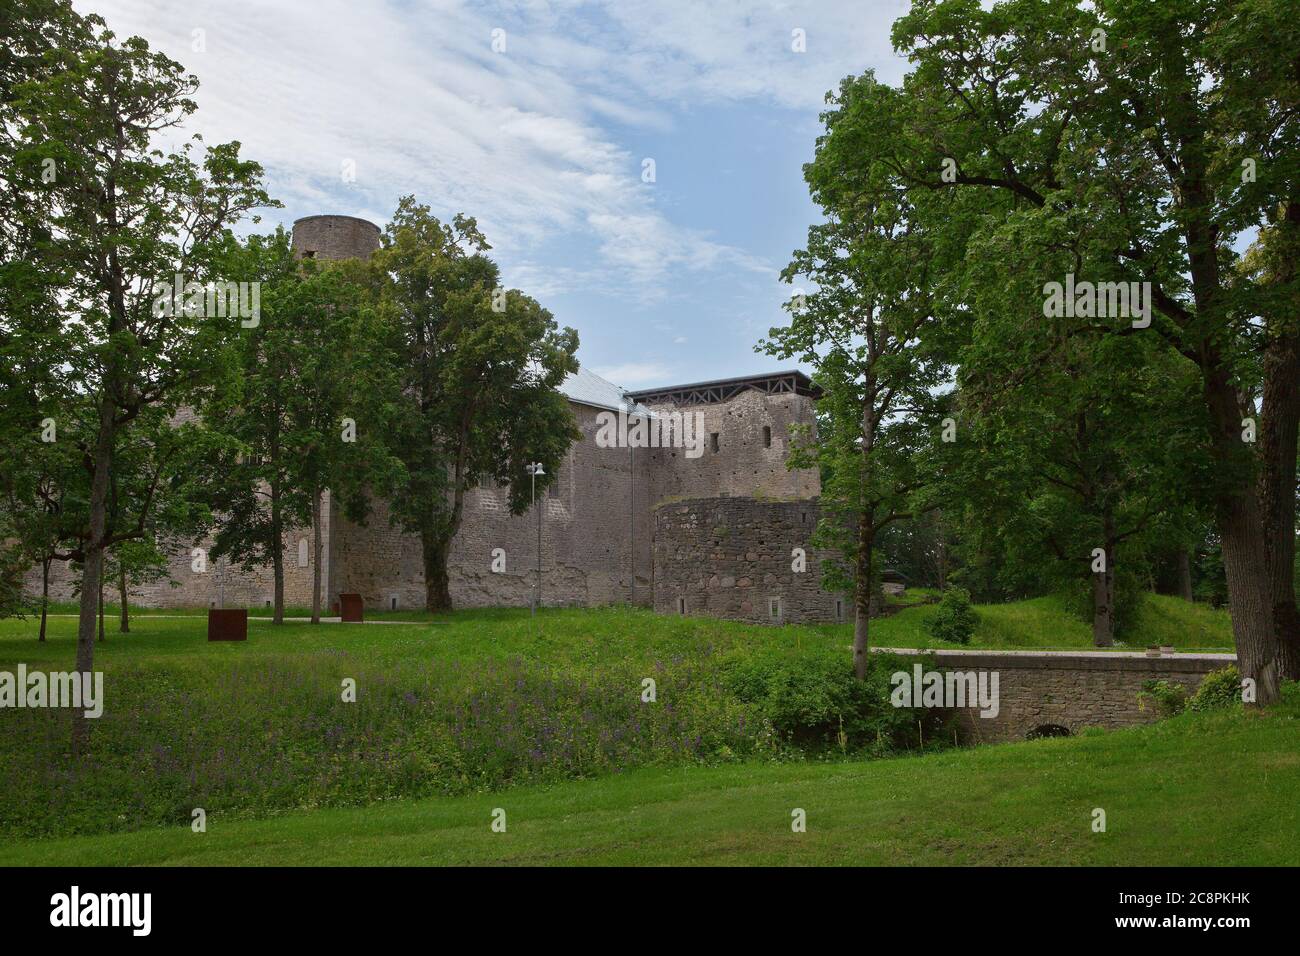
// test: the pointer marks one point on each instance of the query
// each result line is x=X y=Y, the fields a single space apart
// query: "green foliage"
x=107 y=201
x=813 y=700
x=1168 y=698
x=1127 y=600
x=314 y=361
x=478 y=368
x=1221 y=688
x=954 y=620
x=498 y=699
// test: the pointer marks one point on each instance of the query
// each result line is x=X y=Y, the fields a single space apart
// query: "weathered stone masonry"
x=1070 y=690
x=722 y=540
x=735 y=558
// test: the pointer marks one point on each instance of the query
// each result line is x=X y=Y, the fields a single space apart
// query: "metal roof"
x=587 y=388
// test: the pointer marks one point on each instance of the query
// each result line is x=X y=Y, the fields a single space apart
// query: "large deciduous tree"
x=304 y=378
x=479 y=368
x=866 y=328
x=106 y=213
x=1144 y=116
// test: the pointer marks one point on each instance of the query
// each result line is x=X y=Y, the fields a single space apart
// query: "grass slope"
x=1200 y=789
x=473 y=702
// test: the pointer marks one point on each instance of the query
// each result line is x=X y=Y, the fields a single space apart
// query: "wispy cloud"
x=540 y=142
x=632 y=374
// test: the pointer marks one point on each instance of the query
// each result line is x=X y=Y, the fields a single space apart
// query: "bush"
x=1221 y=688
x=954 y=620
x=815 y=701
x=1168 y=699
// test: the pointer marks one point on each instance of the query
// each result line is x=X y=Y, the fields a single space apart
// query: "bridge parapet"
x=1065 y=689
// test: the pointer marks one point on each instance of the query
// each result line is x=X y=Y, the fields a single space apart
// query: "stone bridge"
x=1069 y=689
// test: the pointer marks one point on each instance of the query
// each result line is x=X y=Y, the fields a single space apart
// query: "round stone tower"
x=334 y=237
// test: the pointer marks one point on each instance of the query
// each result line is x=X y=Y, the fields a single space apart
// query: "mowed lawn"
x=607 y=633
x=1200 y=789
x=542 y=716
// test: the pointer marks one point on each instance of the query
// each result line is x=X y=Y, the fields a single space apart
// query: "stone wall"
x=1071 y=690
x=748 y=462
x=732 y=557
x=597 y=523
x=592 y=519
x=221 y=585
x=335 y=237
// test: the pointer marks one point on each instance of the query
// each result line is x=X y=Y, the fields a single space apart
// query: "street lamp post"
x=535 y=469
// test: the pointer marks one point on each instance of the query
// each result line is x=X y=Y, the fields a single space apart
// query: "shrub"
x=815 y=701
x=1221 y=688
x=954 y=620
x=1168 y=699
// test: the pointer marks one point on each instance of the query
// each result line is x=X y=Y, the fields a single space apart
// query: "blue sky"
x=666 y=282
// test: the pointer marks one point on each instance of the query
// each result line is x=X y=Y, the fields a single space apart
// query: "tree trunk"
x=317 y=547
x=862 y=595
x=1185 y=574
x=277 y=557
x=1279 y=422
x=92 y=567
x=437 y=589
x=866 y=541
x=1241 y=531
x=1103 y=618
x=45 y=596
x=125 y=625
x=942 y=548
x=101 y=610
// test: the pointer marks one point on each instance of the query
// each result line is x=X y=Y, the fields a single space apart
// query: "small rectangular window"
x=713 y=441
x=392 y=602
x=774 y=608
x=767 y=437
x=681 y=605
x=839 y=610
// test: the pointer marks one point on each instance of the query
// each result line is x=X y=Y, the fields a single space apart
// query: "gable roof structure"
x=587 y=388
x=791 y=381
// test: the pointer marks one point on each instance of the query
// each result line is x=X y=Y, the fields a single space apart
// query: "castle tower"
x=334 y=237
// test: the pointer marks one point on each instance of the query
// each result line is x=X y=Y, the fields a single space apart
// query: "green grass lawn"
x=1036 y=624
x=1200 y=789
x=480 y=701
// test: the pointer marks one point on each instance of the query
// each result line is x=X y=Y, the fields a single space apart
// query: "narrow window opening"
x=681 y=606
x=767 y=437
x=713 y=441
x=839 y=610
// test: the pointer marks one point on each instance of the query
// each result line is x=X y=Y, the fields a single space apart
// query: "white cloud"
x=414 y=95
x=632 y=374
